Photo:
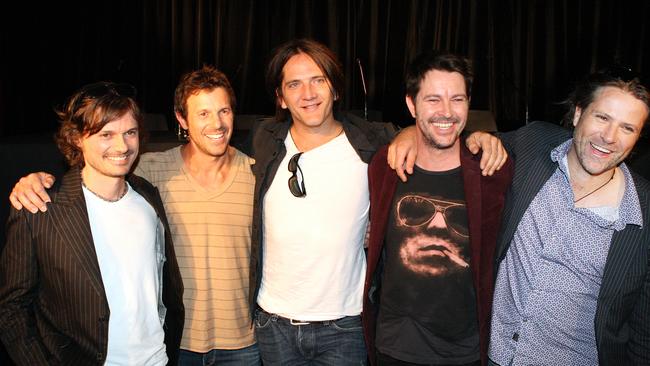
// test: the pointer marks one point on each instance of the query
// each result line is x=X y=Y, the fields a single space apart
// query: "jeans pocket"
x=348 y=323
x=262 y=319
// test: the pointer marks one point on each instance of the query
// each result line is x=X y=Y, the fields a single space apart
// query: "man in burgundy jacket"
x=429 y=280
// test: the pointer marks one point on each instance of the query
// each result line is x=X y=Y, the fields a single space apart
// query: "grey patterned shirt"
x=547 y=286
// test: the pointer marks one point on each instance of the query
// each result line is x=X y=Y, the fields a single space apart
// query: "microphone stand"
x=365 y=91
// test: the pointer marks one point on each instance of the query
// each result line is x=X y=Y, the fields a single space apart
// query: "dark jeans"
x=335 y=342
x=386 y=360
x=249 y=356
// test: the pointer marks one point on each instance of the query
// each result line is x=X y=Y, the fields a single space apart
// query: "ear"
x=280 y=100
x=411 y=105
x=576 y=116
x=76 y=138
x=335 y=95
x=182 y=121
x=77 y=142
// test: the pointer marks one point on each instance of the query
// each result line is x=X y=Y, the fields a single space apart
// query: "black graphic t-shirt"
x=427 y=309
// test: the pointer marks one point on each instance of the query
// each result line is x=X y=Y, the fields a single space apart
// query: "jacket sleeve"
x=19 y=278
x=639 y=344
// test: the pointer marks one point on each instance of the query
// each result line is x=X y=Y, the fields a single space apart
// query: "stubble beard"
x=430 y=139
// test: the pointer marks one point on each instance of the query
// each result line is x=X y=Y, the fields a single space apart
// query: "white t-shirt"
x=314 y=263
x=124 y=233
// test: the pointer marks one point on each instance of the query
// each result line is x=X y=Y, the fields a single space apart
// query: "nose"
x=218 y=120
x=445 y=108
x=609 y=132
x=309 y=91
x=120 y=143
x=438 y=221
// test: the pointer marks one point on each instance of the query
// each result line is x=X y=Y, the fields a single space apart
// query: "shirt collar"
x=630 y=207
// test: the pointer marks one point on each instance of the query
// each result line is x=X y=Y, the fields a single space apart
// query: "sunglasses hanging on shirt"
x=296 y=186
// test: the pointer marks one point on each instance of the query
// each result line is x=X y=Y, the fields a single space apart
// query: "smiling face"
x=306 y=93
x=111 y=151
x=440 y=109
x=209 y=122
x=606 y=131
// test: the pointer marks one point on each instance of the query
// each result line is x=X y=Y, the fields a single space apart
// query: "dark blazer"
x=53 y=308
x=622 y=319
x=485 y=198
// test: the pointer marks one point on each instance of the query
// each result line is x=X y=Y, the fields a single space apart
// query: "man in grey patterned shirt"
x=573 y=285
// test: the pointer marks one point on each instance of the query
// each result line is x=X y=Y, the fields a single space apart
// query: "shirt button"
x=515 y=337
x=100 y=357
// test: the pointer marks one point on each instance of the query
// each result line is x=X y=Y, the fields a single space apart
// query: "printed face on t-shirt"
x=434 y=234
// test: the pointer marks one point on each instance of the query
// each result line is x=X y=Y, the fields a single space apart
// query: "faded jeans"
x=334 y=342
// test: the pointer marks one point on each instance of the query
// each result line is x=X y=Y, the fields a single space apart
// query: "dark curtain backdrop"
x=527 y=54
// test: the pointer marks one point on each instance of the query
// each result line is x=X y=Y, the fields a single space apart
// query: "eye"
x=132 y=133
x=628 y=129
x=459 y=100
x=203 y=114
x=225 y=112
x=104 y=135
x=319 y=81
x=602 y=117
x=293 y=85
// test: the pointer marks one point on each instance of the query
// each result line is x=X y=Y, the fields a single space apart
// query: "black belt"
x=296 y=321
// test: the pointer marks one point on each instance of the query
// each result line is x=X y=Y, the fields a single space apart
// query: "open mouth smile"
x=600 y=149
x=215 y=136
x=118 y=158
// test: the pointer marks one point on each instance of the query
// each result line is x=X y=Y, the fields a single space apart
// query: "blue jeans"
x=249 y=356
x=334 y=342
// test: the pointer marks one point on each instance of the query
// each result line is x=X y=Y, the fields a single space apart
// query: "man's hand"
x=30 y=192
x=402 y=152
x=494 y=154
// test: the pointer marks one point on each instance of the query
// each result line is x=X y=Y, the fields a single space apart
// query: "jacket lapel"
x=472 y=189
x=535 y=171
x=71 y=221
x=626 y=245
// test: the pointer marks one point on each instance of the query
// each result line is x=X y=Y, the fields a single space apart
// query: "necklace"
x=126 y=189
x=601 y=186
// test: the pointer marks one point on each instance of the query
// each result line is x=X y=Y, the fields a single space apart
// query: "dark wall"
x=526 y=53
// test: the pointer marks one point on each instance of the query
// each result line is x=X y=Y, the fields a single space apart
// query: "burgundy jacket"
x=485 y=197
